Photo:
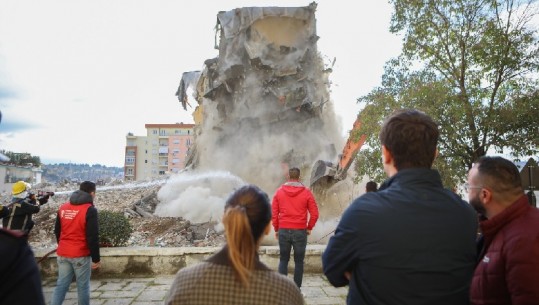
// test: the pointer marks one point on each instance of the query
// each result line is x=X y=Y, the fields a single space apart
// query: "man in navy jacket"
x=412 y=242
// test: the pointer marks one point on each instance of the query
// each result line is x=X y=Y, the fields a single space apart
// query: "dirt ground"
x=147 y=231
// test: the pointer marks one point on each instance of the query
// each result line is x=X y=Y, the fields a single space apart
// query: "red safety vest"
x=73 y=242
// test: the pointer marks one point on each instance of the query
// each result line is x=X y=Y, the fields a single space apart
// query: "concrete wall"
x=147 y=261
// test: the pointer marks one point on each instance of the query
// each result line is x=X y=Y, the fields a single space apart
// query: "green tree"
x=471 y=65
x=22 y=159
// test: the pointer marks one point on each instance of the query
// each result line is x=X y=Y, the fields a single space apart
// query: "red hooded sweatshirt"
x=290 y=205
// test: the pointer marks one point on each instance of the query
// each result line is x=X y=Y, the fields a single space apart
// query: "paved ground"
x=149 y=291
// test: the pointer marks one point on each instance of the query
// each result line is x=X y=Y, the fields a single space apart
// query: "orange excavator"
x=324 y=173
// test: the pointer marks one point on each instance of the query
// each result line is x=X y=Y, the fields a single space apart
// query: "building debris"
x=264 y=101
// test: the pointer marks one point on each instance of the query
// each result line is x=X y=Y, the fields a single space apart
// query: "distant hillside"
x=79 y=172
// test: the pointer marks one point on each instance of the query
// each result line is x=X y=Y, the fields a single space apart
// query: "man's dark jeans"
x=296 y=239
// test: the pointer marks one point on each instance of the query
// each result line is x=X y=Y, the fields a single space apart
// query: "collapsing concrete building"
x=263 y=104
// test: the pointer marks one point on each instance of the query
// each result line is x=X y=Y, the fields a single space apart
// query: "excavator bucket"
x=324 y=173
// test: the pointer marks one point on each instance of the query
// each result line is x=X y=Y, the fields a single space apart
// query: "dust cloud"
x=197 y=197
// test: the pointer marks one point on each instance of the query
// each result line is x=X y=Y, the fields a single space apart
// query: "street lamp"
x=529 y=172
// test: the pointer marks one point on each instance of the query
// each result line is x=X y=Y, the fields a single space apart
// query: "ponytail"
x=241 y=244
x=247 y=214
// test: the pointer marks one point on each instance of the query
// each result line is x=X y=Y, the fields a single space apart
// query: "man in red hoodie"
x=294 y=214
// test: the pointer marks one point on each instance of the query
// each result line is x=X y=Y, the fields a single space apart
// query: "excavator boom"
x=324 y=173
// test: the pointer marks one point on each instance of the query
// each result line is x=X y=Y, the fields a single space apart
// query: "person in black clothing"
x=19 y=274
x=23 y=205
x=371 y=186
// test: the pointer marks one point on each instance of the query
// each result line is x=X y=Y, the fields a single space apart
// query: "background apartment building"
x=9 y=174
x=161 y=152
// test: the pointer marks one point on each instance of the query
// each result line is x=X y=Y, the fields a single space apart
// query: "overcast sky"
x=77 y=76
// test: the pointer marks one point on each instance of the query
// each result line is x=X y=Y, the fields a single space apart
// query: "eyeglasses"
x=468 y=187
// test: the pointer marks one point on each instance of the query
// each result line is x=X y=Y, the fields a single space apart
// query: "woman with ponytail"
x=235 y=275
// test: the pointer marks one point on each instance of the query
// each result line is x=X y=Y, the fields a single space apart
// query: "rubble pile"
x=137 y=203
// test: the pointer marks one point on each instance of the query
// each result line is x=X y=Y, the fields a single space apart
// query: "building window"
x=177 y=131
x=145 y=161
x=188 y=142
x=162 y=132
x=161 y=172
x=154 y=131
x=176 y=141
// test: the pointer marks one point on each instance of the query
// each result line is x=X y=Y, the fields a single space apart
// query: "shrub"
x=114 y=229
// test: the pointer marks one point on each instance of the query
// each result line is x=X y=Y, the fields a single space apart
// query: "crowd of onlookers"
x=408 y=241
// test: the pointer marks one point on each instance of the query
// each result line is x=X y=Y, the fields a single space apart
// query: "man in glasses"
x=508 y=268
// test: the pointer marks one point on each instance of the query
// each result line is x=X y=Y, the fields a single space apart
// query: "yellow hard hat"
x=18 y=187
